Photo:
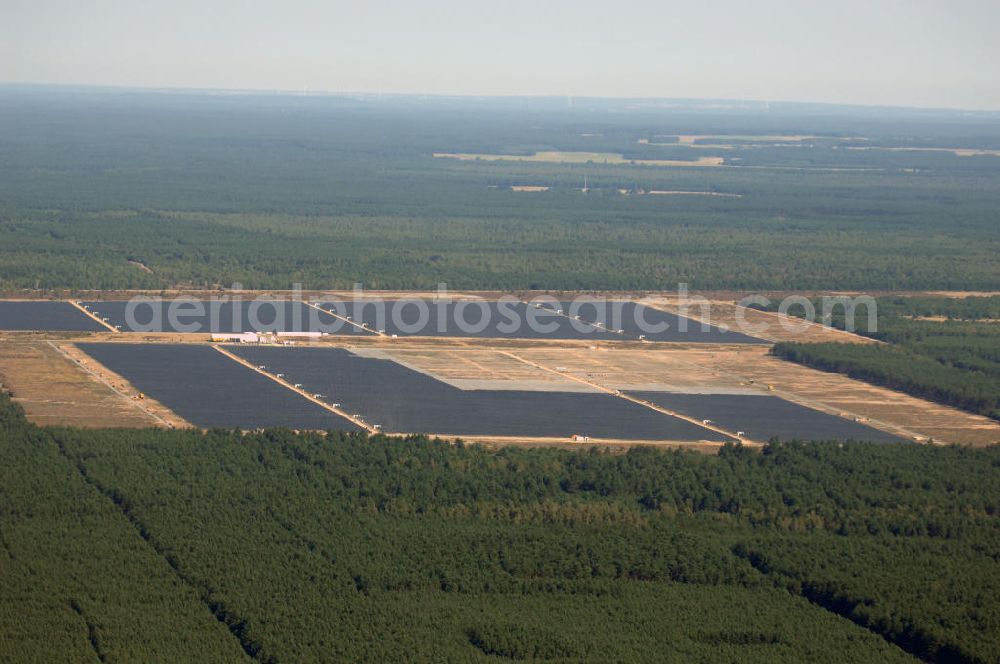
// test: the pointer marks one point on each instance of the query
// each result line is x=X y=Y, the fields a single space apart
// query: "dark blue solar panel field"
x=403 y=400
x=637 y=321
x=188 y=316
x=482 y=319
x=45 y=316
x=467 y=318
x=209 y=389
x=762 y=417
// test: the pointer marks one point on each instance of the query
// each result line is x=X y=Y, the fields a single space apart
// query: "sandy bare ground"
x=617 y=159
x=666 y=192
x=942 y=319
x=525 y=364
x=958 y=152
x=735 y=141
x=729 y=296
x=550 y=156
x=962 y=294
x=767 y=325
x=54 y=389
x=141 y=266
x=160 y=414
x=691 y=139
x=605 y=443
x=638 y=370
x=837 y=394
x=741 y=370
x=206 y=294
x=475 y=368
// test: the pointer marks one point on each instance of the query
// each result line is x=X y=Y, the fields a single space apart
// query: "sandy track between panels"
x=54 y=389
x=708 y=447
x=292 y=388
x=90 y=314
x=160 y=414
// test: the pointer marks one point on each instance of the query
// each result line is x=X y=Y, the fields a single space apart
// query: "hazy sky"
x=915 y=52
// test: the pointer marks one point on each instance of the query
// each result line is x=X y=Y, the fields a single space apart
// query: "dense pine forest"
x=939 y=348
x=272 y=190
x=147 y=546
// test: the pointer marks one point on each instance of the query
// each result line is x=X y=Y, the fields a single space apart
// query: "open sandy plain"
x=695 y=369
x=57 y=384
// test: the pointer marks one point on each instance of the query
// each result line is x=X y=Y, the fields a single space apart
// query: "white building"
x=238 y=337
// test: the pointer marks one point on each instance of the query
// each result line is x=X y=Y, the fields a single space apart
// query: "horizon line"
x=306 y=92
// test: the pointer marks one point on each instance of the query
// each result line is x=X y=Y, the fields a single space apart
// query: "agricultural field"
x=582 y=158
